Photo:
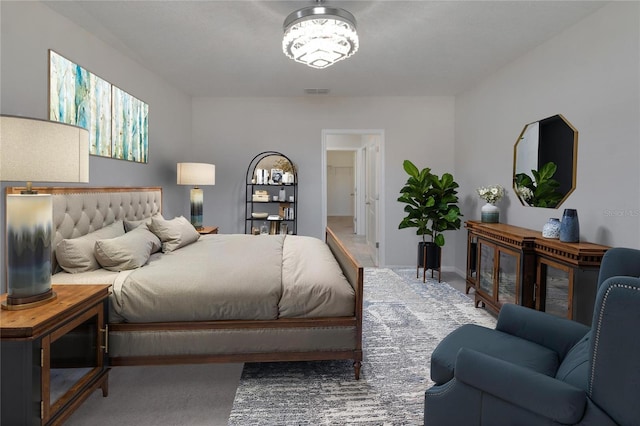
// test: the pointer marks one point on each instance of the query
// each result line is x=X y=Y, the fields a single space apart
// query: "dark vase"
x=433 y=255
x=570 y=227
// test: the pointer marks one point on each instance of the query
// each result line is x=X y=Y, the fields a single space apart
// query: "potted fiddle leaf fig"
x=431 y=207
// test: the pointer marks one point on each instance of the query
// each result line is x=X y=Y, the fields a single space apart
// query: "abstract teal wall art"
x=117 y=122
x=81 y=98
x=130 y=127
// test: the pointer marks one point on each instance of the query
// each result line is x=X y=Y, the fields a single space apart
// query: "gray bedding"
x=232 y=277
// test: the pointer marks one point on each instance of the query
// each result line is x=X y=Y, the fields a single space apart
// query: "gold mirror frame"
x=550 y=140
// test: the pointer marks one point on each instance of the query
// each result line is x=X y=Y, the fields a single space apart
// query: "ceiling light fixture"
x=320 y=36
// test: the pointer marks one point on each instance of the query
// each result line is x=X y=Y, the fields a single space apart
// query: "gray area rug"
x=404 y=319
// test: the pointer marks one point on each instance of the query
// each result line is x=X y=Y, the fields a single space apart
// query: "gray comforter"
x=235 y=277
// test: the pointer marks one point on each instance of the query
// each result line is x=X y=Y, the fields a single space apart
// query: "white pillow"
x=174 y=233
x=77 y=254
x=129 y=251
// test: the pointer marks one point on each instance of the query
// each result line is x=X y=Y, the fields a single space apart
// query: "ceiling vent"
x=316 y=91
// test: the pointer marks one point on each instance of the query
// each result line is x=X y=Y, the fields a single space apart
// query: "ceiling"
x=407 y=48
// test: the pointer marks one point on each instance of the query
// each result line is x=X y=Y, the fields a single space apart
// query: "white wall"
x=591 y=74
x=28 y=31
x=230 y=131
x=341 y=183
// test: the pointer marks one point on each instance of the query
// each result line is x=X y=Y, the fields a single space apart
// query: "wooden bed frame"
x=307 y=334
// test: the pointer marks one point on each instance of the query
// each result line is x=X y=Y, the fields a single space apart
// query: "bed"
x=221 y=298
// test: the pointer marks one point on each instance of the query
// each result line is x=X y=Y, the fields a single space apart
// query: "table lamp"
x=43 y=151
x=196 y=174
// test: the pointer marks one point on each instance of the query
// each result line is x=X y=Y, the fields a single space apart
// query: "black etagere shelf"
x=271 y=196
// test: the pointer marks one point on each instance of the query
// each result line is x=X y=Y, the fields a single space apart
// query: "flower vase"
x=490 y=213
x=570 y=227
x=551 y=229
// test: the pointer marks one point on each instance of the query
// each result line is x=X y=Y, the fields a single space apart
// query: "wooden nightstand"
x=208 y=230
x=53 y=356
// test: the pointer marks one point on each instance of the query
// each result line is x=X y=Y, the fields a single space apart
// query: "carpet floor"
x=404 y=319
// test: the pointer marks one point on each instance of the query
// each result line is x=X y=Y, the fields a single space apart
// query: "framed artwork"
x=130 y=127
x=117 y=122
x=81 y=98
x=276 y=176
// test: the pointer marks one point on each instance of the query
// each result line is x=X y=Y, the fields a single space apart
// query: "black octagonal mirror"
x=544 y=162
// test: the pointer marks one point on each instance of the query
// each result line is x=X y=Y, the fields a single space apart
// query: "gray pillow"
x=174 y=233
x=129 y=251
x=77 y=254
x=130 y=225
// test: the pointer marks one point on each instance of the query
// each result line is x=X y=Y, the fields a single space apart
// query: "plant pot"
x=433 y=252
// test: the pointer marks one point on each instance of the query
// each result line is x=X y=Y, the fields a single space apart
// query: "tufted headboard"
x=79 y=211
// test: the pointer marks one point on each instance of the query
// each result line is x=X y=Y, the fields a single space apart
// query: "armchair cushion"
x=555 y=333
x=542 y=395
x=491 y=342
x=575 y=367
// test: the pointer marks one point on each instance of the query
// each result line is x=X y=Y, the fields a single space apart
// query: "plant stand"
x=428 y=262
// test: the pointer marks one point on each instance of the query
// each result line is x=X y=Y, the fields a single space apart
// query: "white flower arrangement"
x=491 y=194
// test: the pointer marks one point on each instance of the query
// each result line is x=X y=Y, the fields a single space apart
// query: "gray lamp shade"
x=42 y=151
x=196 y=174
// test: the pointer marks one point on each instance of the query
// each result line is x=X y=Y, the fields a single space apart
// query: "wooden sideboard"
x=510 y=264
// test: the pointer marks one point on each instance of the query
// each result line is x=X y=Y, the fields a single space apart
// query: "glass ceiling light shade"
x=320 y=36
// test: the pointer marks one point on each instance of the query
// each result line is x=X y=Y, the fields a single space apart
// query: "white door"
x=372 y=197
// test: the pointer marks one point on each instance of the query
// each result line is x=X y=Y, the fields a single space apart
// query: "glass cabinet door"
x=72 y=356
x=554 y=288
x=486 y=268
x=508 y=276
x=472 y=262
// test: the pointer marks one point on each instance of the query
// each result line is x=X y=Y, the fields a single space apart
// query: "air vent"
x=316 y=91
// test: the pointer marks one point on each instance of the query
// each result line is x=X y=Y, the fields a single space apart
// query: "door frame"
x=380 y=184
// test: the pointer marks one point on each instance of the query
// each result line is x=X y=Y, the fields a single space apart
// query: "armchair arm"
x=558 y=334
x=527 y=389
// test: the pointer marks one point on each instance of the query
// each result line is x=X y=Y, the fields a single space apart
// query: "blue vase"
x=570 y=227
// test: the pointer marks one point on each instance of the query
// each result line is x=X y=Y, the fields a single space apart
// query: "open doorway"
x=352 y=198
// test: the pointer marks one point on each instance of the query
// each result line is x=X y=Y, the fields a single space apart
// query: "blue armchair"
x=537 y=369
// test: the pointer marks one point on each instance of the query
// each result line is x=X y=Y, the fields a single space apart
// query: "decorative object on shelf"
x=261 y=177
x=548 y=148
x=490 y=213
x=287 y=178
x=44 y=151
x=283 y=228
x=196 y=174
x=320 y=36
x=259 y=215
x=276 y=177
x=431 y=208
x=282 y=195
x=551 y=229
x=570 y=227
x=260 y=196
x=264 y=229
